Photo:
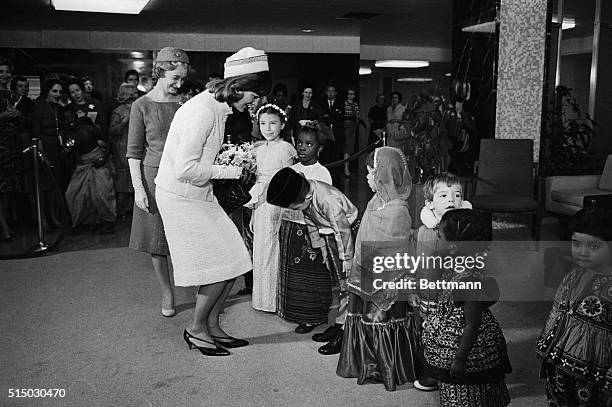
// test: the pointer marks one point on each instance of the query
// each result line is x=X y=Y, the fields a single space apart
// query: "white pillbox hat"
x=247 y=60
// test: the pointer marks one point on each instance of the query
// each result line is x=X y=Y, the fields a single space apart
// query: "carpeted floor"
x=89 y=322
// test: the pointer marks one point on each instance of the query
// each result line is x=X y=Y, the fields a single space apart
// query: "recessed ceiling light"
x=447 y=74
x=307 y=30
x=364 y=70
x=101 y=6
x=398 y=63
x=415 y=80
x=568 y=22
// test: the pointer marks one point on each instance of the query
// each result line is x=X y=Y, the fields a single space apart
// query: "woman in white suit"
x=206 y=248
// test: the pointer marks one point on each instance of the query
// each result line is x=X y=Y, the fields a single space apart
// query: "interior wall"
x=129 y=41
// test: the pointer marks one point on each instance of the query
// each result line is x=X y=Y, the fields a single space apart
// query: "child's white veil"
x=391 y=174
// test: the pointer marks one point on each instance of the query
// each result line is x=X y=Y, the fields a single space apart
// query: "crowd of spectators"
x=81 y=133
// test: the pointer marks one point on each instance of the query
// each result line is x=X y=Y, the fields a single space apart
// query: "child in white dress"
x=272 y=154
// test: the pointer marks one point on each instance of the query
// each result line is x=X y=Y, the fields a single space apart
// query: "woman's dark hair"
x=192 y=85
x=129 y=73
x=46 y=86
x=399 y=95
x=87 y=78
x=15 y=80
x=6 y=62
x=75 y=81
x=593 y=221
x=467 y=228
x=231 y=90
x=279 y=87
x=319 y=130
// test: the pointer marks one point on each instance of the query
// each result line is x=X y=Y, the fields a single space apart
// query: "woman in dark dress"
x=377 y=117
x=46 y=127
x=149 y=122
x=11 y=121
x=306 y=109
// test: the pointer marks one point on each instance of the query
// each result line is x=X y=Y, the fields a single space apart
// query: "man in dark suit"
x=333 y=116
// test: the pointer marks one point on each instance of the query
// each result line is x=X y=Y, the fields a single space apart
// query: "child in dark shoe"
x=323 y=206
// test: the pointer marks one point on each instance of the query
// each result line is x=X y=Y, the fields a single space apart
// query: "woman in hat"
x=150 y=118
x=206 y=247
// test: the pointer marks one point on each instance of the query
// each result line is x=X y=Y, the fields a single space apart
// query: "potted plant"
x=566 y=145
x=427 y=145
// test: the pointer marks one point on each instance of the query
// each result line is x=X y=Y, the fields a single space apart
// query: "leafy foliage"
x=569 y=137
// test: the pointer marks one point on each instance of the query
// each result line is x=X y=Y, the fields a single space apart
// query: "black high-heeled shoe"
x=229 y=342
x=217 y=351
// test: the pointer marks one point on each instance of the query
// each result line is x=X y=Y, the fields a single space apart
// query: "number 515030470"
x=36 y=393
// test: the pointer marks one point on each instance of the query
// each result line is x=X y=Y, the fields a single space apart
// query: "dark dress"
x=46 y=127
x=378 y=118
x=90 y=195
x=312 y=112
x=487 y=363
x=148 y=129
x=11 y=135
x=576 y=344
x=94 y=110
x=381 y=342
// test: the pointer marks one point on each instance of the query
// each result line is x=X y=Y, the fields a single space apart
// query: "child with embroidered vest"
x=576 y=343
x=465 y=349
x=323 y=206
x=304 y=286
x=271 y=154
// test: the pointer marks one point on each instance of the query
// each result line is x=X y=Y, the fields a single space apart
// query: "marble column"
x=521 y=65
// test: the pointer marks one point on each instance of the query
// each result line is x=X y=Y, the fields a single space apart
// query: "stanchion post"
x=41 y=245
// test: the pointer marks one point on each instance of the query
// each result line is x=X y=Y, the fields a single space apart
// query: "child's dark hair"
x=272 y=109
x=285 y=187
x=593 y=221
x=446 y=178
x=467 y=228
x=319 y=130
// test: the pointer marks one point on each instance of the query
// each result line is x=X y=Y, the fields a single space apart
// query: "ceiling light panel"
x=415 y=80
x=398 y=63
x=101 y=6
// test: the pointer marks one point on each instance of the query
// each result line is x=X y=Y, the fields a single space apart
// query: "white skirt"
x=205 y=245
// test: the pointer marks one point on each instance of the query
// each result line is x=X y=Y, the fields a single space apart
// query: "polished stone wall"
x=522 y=38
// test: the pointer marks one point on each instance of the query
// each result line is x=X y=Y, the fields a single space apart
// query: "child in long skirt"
x=465 y=348
x=272 y=154
x=305 y=286
x=380 y=341
x=576 y=344
x=324 y=207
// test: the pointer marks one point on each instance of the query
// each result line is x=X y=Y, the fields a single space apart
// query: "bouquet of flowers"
x=233 y=193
